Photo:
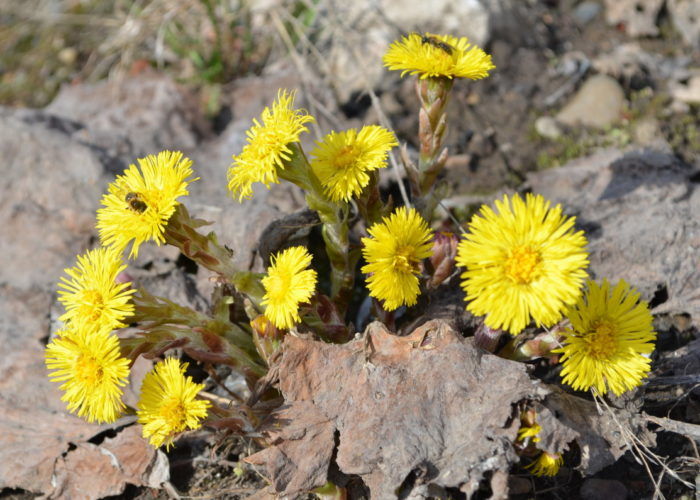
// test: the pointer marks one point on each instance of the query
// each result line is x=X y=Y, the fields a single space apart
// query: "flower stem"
x=334 y=217
x=434 y=94
x=206 y=251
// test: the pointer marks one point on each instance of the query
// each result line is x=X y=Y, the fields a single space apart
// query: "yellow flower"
x=288 y=283
x=432 y=56
x=168 y=404
x=141 y=201
x=89 y=364
x=394 y=252
x=341 y=161
x=547 y=464
x=526 y=261
x=526 y=432
x=91 y=295
x=611 y=331
x=268 y=146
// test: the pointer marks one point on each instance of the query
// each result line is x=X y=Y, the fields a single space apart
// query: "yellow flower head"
x=168 y=404
x=341 y=161
x=91 y=295
x=432 y=56
x=547 y=464
x=141 y=201
x=288 y=283
x=394 y=252
x=268 y=146
x=526 y=261
x=89 y=364
x=611 y=331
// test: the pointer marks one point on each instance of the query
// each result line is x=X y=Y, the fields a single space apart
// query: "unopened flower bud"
x=443 y=257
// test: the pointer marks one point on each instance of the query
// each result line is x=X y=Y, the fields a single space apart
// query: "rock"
x=547 y=127
x=639 y=212
x=598 y=103
x=133 y=117
x=585 y=12
x=126 y=458
x=631 y=63
x=52 y=183
x=647 y=132
x=610 y=489
x=688 y=93
x=51 y=187
x=685 y=15
x=637 y=16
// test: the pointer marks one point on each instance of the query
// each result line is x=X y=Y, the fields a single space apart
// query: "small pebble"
x=585 y=12
x=547 y=127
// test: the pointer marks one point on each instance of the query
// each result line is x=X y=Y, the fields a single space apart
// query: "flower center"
x=280 y=284
x=601 y=340
x=523 y=265
x=92 y=305
x=174 y=412
x=88 y=371
x=405 y=261
x=345 y=158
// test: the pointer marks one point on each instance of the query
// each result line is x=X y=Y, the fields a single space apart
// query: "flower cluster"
x=524 y=264
x=86 y=356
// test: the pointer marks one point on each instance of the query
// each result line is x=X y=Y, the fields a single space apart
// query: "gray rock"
x=132 y=117
x=637 y=16
x=647 y=132
x=51 y=186
x=685 y=15
x=547 y=127
x=639 y=210
x=585 y=12
x=689 y=92
x=598 y=103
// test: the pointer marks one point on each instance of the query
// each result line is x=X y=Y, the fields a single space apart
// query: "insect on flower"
x=135 y=202
x=435 y=42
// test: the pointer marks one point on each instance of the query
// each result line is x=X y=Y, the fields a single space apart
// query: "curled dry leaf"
x=428 y=406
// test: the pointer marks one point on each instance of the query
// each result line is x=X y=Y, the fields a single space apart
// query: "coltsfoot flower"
x=529 y=428
x=91 y=295
x=89 y=364
x=526 y=261
x=168 y=404
x=432 y=56
x=394 y=252
x=287 y=284
x=140 y=202
x=342 y=160
x=611 y=332
x=547 y=464
x=268 y=146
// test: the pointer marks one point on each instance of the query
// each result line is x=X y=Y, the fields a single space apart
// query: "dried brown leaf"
x=428 y=406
